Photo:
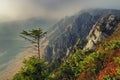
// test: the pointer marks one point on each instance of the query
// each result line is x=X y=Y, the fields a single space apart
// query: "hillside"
x=102 y=63
x=105 y=60
x=87 y=27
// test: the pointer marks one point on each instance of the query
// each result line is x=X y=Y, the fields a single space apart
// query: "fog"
x=49 y=9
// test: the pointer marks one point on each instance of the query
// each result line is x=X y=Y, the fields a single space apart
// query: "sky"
x=49 y=9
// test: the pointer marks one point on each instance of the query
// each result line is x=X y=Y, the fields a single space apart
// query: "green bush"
x=111 y=45
x=117 y=60
x=34 y=69
x=70 y=69
x=109 y=78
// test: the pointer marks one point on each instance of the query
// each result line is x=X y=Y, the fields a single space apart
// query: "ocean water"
x=9 y=49
x=11 y=44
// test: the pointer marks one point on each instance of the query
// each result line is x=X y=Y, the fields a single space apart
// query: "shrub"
x=111 y=45
x=34 y=69
x=109 y=78
x=117 y=60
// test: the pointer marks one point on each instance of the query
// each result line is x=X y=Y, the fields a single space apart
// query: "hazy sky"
x=52 y=9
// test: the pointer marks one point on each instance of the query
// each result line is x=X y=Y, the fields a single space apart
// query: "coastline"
x=16 y=64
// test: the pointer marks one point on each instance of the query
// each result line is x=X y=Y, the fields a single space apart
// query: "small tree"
x=34 y=36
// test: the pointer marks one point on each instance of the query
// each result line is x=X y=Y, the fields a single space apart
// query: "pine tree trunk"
x=38 y=48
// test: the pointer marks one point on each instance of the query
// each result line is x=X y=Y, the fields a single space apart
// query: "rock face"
x=92 y=25
x=102 y=28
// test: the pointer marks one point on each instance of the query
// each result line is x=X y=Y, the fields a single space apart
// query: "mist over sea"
x=11 y=44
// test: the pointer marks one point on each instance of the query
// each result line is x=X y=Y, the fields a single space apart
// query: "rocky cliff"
x=103 y=28
x=90 y=25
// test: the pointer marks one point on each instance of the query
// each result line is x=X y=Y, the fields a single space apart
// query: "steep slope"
x=66 y=33
x=103 y=28
x=109 y=64
x=102 y=63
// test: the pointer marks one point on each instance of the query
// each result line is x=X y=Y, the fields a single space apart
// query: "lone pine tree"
x=34 y=36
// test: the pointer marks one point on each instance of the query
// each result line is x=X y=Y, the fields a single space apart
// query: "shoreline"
x=16 y=64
